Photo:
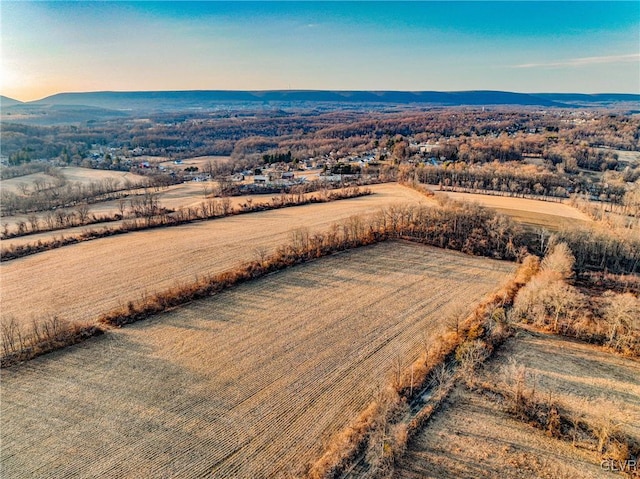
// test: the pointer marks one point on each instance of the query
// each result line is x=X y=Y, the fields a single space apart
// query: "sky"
x=548 y=46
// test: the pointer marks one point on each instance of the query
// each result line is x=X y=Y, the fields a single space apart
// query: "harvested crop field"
x=581 y=378
x=72 y=174
x=91 y=175
x=175 y=197
x=247 y=383
x=202 y=162
x=623 y=155
x=81 y=281
x=549 y=214
x=13 y=185
x=474 y=437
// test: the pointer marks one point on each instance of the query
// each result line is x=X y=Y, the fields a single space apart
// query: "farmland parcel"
x=474 y=435
x=248 y=383
x=82 y=281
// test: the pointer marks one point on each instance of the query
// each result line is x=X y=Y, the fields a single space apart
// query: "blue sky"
x=51 y=47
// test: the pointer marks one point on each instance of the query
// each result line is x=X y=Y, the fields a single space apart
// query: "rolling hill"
x=5 y=101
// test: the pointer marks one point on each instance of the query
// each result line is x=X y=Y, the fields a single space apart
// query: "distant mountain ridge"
x=105 y=99
x=589 y=97
x=6 y=101
x=209 y=98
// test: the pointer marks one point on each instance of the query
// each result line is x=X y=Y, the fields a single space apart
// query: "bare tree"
x=11 y=335
x=515 y=379
x=122 y=206
x=82 y=210
x=300 y=240
x=563 y=301
x=261 y=253
x=61 y=218
x=24 y=188
x=398 y=367
x=455 y=318
x=622 y=315
x=225 y=205
x=560 y=260
x=34 y=222
x=225 y=186
x=206 y=189
x=605 y=427
x=146 y=206
x=441 y=377
x=470 y=355
x=49 y=220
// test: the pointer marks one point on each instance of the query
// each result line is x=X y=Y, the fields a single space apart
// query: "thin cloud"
x=579 y=62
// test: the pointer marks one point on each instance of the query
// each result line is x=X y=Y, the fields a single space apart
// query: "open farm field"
x=84 y=280
x=201 y=162
x=540 y=220
x=530 y=212
x=473 y=436
x=90 y=175
x=581 y=378
x=248 y=383
x=73 y=174
x=153 y=159
x=174 y=197
x=310 y=175
x=14 y=185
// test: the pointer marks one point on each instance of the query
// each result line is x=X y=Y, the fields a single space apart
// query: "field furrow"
x=248 y=383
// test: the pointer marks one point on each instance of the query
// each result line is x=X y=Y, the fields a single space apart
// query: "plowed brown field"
x=583 y=379
x=246 y=384
x=538 y=213
x=474 y=437
x=72 y=174
x=82 y=281
x=182 y=196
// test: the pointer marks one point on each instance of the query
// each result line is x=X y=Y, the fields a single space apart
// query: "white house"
x=261 y=179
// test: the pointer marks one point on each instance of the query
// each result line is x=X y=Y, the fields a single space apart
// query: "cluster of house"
x=272 y=177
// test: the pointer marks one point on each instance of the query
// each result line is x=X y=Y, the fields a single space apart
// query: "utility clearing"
x=248 y=383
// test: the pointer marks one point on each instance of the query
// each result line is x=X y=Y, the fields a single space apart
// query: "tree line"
x=512 y=180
